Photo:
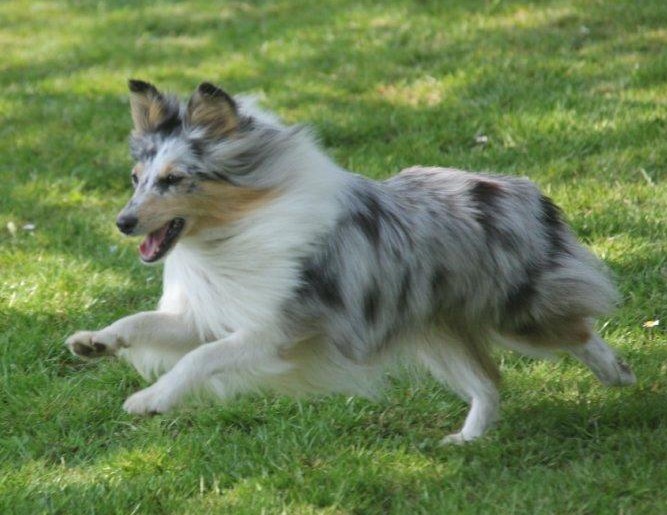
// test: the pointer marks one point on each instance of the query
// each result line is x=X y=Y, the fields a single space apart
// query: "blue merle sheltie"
x=283 y=271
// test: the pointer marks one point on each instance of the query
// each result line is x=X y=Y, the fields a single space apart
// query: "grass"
x=570 y=93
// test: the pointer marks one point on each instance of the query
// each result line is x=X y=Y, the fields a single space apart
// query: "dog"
x=284 y=271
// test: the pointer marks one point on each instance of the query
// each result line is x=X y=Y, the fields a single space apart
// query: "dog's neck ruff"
x=238 y=276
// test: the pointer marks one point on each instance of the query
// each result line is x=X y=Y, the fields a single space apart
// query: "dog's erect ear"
x=149 y=106
x=214 y=110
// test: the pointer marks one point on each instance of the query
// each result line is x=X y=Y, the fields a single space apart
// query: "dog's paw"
x=624 y=374
x=458 y=439
x=93 y=344
x=150 y=401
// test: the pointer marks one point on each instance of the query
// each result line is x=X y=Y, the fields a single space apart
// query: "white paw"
x=614 y=373
x=92 y=344
x=458 y=438
x=625 y=375
x=150 y=401
x=453 y=439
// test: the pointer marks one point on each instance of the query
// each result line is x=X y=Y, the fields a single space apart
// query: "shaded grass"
x=571 y=94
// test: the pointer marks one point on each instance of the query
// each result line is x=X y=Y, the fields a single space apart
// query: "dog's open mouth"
x=158 y=243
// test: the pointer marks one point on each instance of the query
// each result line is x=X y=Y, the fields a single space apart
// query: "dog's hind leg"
x=603 y=362
x=470 y=372
x=577 y=337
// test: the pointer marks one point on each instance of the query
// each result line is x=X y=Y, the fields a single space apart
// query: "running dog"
x=283 y=271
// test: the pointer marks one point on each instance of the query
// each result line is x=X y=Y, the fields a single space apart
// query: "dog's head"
x=198 y=165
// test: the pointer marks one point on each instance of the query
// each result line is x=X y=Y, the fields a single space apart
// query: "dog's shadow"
x=581 y=419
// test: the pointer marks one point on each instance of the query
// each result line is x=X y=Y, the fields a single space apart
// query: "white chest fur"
x=225 y=283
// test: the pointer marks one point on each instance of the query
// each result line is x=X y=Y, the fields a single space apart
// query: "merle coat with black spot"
x=480 y=255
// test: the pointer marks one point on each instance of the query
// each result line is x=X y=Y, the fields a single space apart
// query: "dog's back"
x=474 y=253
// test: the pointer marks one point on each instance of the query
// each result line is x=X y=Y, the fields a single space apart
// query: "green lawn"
x=572 y=94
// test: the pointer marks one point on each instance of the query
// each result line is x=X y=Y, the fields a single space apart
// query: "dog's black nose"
x=126 y=223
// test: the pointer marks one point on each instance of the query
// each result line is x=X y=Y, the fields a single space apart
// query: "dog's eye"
x=171 y=179
x=135 y=179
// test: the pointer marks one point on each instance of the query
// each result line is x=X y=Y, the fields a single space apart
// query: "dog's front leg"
x=149 y=327
x=238 y=362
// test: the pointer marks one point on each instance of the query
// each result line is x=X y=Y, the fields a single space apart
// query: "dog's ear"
x=149 y=106
x=214 y=110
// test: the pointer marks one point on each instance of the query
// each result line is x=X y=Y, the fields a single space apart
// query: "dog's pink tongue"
x=151 y=244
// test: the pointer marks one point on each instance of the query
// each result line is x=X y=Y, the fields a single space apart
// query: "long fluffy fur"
x=331 y=277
